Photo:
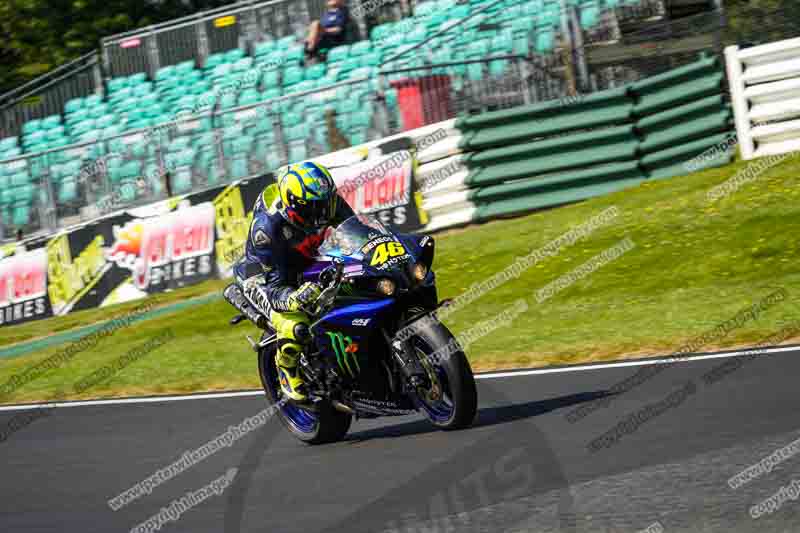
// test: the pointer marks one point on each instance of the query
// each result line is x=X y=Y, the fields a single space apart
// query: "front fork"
x=409 y=364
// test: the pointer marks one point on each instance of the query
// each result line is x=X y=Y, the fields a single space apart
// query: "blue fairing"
x=343 y=317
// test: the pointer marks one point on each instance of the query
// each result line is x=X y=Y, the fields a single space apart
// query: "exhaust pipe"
x=339 y=406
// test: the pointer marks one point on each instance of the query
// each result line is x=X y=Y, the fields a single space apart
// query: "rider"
x=290 y=220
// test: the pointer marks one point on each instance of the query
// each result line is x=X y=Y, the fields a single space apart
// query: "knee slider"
x=301 y=333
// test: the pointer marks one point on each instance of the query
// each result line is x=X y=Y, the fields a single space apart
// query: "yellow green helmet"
x=308 y=195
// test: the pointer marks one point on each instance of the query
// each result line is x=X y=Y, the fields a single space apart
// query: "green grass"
x=695 y=265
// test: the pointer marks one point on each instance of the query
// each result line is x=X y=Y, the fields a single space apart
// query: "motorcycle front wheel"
x=451 y=400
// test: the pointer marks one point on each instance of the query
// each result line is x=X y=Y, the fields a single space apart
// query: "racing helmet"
x=308 y=195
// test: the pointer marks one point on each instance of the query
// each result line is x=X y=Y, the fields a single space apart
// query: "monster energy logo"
x=341 y=345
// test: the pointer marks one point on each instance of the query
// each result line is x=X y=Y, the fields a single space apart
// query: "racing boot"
x=292 y=384
x=291 y=328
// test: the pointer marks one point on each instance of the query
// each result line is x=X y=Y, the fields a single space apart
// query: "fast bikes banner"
x=177 y=242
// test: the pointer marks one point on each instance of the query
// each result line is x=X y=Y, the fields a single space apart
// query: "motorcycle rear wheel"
x=322 y=426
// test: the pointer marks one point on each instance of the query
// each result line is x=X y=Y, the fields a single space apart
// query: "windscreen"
x=350 y=236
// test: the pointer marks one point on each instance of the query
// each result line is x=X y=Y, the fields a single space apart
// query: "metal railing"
x=648 y=48
x=46 y=95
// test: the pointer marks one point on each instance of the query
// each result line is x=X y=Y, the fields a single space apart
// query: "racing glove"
x=305 y=296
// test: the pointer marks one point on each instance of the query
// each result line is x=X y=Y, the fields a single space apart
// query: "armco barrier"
x=550 y=154
x=765 y=93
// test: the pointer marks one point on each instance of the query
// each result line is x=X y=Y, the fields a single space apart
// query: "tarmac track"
x=523 y=467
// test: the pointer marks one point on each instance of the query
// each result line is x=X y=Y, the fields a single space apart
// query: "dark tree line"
x=36 y=36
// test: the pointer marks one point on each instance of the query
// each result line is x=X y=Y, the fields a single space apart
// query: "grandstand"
x=216 y=114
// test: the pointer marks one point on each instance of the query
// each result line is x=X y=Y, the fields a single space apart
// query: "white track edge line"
x=487 y=375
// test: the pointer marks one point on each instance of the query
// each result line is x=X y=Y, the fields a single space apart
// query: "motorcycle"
x=374 y=347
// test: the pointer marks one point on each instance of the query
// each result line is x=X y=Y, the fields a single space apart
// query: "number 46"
x=386 y=250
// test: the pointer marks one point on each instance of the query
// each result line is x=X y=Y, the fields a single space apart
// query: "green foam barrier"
x=679 y=94
x=686 y=132
x=560 y=145
x=540 y=185
x=679 y=169
x=657 y=121
x=527 y=168
x=681 y=153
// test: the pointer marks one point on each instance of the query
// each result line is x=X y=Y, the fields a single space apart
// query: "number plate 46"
x=385 y=251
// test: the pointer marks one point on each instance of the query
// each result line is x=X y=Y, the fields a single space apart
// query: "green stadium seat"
x=121 y=95
x=242 y=64
x=298 y=152
x=545 y=41
x=292 y=75
x=360 y=48
x=228 y=100
x=116 y=84
x=234 y=55
x=249 y=96
x=68 y=191
x=199 y=87
x=372 y=59
x=212 y=61
x=190 y=78
x=316 y=72
x=522 y=45
x=19 y=179
x=51 y=122
x=286 y=42
x=143 y=89
x=590 y=15
x=35 y=137
x=10 y=153
x=73 y=105
x=77 y=116
x=105 y=121
x=264 y=48
x=338 y=53
x=221 y=71
x=305 y=85
x=478 y=49
x=294 y=54
x=378 y=33
x=178 y=144
x=8 y=143
x=137 y=79
x=55 y=133
x=31 y=126
x=426 y=8
x=23 y=193
x=416 y=36
x=21 y=215
x=184 y=66
x=99 y=110
x=127 y=191
x=182 y=180
x=165 y=73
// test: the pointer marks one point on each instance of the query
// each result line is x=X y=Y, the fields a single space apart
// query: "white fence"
x=765 y=93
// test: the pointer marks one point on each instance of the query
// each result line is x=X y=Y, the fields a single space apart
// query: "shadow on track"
x=487 y=416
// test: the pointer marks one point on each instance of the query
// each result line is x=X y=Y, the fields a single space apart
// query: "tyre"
x=321 y=426
x=452 y=400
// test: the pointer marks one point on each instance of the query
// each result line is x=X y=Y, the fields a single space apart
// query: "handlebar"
x=330 y=290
